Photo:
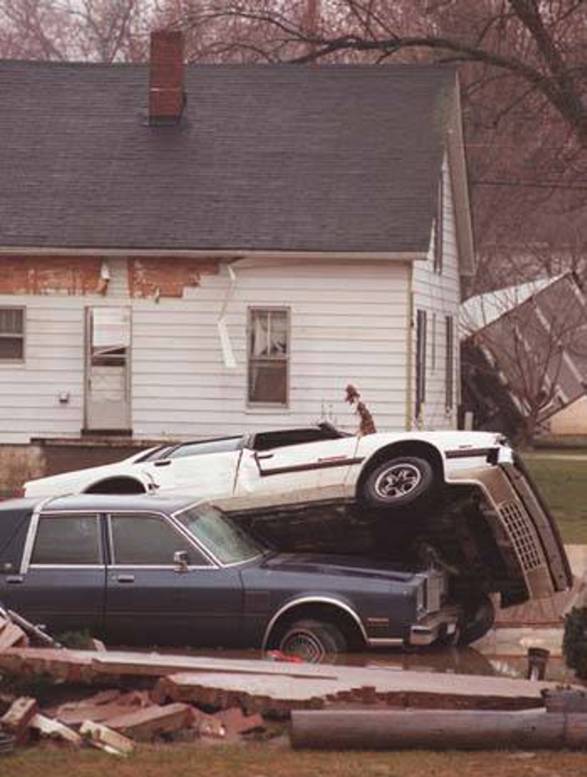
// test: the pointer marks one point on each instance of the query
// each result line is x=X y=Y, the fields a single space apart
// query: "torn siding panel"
x=49 y=275
x=160 y=277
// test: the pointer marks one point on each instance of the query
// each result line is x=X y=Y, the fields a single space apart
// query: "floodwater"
x=499 y=658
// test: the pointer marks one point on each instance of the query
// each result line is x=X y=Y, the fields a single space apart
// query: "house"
x=193 y=251
x=524 y=357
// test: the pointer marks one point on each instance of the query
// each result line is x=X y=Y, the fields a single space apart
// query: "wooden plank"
x=104 y=738
x=53 y=728
x=18 y=717
x=12 y=635
x=143 y=725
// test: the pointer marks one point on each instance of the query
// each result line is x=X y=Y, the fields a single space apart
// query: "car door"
x=151 y=600
x=296 y=473
x=202 y=468
x=62 y=578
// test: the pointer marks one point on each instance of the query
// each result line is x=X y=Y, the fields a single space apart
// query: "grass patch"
x=268 y=761
x=563 y=482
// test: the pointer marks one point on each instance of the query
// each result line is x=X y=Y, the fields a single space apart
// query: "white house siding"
x=348 y=324
x=439 y=295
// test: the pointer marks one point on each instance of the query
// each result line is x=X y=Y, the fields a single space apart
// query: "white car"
x=384 y=470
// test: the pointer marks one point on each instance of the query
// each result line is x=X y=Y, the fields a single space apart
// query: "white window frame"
x=12 y=336
x=252 y=310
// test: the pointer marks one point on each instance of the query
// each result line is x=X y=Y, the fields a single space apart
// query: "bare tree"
x=539 y=44
x=88 y=30
x=524 y=82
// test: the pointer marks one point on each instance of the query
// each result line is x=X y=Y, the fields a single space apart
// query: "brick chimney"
x=166 y=92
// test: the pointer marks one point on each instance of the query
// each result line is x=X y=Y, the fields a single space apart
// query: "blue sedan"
x=162 y=570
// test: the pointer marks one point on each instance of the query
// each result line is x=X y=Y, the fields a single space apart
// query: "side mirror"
x=181 y=559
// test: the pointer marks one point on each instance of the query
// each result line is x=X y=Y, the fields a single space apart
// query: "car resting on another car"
x=386 y=471
x=161 y=570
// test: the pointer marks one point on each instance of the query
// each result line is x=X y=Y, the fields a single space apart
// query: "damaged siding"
x=438 y=294
x=348 y=324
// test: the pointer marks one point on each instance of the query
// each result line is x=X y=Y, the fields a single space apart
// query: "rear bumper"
x=433 y=626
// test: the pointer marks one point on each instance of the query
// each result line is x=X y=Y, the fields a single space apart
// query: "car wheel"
x=478 y=618
x=398 y=482
x=313 y=641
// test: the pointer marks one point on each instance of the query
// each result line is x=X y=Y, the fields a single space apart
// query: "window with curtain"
x=268 y=356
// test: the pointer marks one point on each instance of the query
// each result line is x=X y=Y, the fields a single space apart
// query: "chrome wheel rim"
x=304 y=644
x=397 y=481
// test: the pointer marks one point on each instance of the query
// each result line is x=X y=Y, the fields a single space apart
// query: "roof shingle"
x=266 y=157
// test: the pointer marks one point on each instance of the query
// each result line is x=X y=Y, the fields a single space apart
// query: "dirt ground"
x=277 y=760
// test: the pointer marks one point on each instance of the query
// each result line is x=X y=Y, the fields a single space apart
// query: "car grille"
x=522 y=535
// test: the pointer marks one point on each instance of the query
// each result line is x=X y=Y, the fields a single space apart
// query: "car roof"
x=110 y=502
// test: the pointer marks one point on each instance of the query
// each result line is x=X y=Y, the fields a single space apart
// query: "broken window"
x=268 y=356
x=449 y=378
x=142 y=540
x=421 y=326
x=11 y=334
x=67 y=540
x=110 y=336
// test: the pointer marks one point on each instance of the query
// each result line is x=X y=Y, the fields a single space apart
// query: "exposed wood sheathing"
x=49 y=275
x=158 y=277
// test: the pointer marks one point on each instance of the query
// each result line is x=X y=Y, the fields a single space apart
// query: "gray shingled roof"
x=329 y=158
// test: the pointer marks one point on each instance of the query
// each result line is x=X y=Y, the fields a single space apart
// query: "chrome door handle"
x=15 y=579
x=126 y=578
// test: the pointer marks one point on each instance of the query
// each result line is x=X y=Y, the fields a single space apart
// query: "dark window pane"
x=201 y=448
x=421 y=325
x=11 y=321
x=268 y=382
x=11 y=348
x=67 y=540
x=143 y=540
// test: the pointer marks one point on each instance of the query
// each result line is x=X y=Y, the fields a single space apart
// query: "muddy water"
x=450 y=660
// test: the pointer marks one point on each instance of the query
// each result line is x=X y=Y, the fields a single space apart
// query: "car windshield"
x=223 y=538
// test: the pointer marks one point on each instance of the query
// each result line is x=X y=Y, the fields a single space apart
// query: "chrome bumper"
x=437 y=624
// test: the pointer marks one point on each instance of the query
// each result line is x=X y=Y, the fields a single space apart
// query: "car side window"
x=202 y=448
x=147 y=540
x=67 y=539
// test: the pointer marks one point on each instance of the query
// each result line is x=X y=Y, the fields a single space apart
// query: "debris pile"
x=113 y=700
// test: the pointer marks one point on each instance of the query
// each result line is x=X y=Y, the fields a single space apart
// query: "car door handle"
x=126 y=578
x=164 y=463
x=264 y=456
x=15 y=579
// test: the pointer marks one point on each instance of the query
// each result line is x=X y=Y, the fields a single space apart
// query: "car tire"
x=399 y=482
x=313 y=641
x=478 y=618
